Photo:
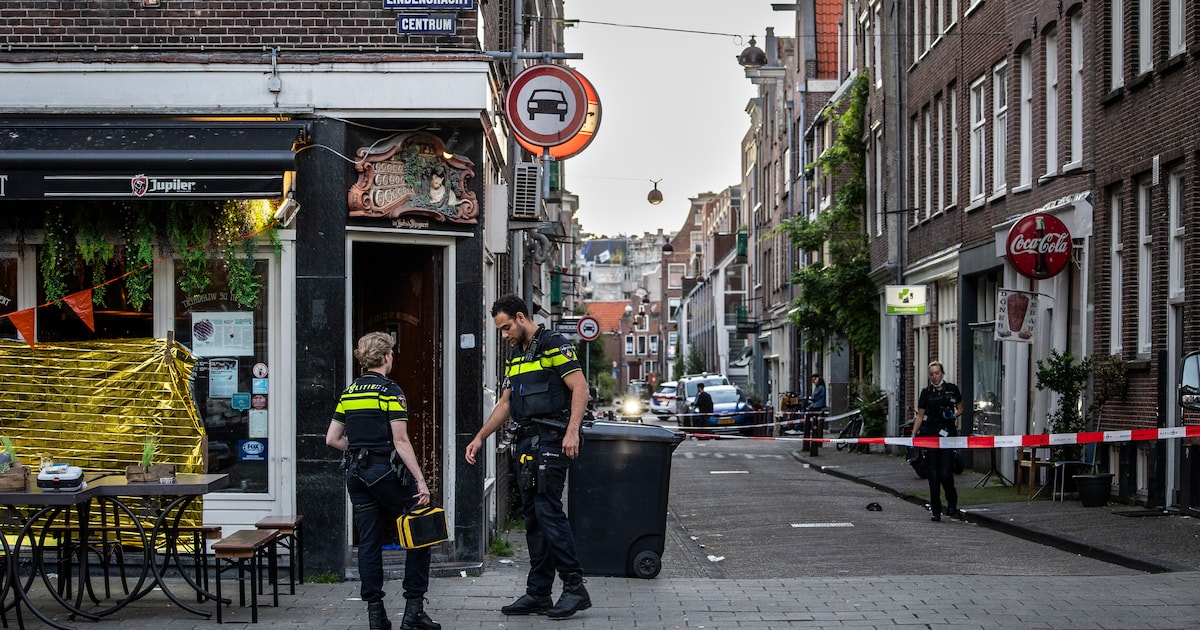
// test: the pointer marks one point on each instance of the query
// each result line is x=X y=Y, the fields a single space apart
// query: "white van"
x=685 y=391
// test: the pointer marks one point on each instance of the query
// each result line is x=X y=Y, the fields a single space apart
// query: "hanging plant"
x=237 y=250
x=138 y=254
x=97 y=251
x=58 y=254
x=188 y=231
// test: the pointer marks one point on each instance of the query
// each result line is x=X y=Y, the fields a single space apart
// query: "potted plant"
x=149 y=471
x=1061 y=374
x=13 y=476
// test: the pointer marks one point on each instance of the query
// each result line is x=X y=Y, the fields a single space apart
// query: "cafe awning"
x=146 y=159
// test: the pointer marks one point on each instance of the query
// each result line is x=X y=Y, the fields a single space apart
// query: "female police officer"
x=546 y=395
x=383 y=478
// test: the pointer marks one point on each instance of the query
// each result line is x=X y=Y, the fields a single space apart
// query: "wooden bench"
x=291 y=538
x=244 y=550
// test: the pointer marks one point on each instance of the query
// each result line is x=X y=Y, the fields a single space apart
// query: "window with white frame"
x=939 y=104
x=1076 y=95
x=930 y=209
x=916 y=170
x=675 y=273
x=1177 y=26
x=1116 y=44
x=641 y=345
x=953 y=13
x=1144 y=259
x=916 y=32
x=878 y=43
x=1175 y=209
x=870 y=165
x=673 y=306
x=629 y=345
x=1116 y=298
x=868 y=42
x=978 y=163
x=1025 y=169
x=999 y=125
x=653 y=344
x=941 y=16
x=953 y=144
x=921 y=358
x=947 y=326
x=927 y=25
x=879 y=212
x=852 y=49
x=1145 y=36
x=1051 y=105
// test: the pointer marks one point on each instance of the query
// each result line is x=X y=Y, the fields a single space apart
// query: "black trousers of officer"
x=379 y=497
x=941 y=475
x=547 y=531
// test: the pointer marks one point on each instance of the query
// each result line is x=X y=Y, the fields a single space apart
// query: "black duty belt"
x=535 y=427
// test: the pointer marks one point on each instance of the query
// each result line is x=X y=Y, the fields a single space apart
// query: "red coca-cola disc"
x=1038 y=246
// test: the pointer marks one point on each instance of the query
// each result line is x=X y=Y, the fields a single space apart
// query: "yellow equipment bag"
x=422 y=527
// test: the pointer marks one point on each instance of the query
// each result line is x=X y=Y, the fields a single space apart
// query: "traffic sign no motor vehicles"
x=546 y=105
x=589 y=328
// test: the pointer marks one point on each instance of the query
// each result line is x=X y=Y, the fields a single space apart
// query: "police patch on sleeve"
x=567 y=351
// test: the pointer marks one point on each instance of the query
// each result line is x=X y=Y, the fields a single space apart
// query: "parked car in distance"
x=662 y=401
x=731 y=410
x=685 y=390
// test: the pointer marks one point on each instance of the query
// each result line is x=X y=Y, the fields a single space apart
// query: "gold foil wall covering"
x=93 y=404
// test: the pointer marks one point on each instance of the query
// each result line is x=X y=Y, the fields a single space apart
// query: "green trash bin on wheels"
x=617 y=497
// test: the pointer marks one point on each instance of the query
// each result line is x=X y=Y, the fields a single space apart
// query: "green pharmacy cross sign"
x=906 y=299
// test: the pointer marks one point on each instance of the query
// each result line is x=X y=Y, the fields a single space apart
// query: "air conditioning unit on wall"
x=525 y=192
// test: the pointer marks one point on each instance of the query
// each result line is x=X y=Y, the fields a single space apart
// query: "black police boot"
x=377 y=616
x=415 y=617
x=574 y=598
x=529 y=605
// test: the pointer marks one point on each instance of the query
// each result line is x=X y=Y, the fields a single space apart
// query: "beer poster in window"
x=223 y=334
x=1016 y=315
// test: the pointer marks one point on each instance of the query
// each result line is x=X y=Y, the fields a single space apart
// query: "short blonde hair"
x=373 y=348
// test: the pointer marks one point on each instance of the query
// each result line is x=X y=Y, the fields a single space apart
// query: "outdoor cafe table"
x=164 y=503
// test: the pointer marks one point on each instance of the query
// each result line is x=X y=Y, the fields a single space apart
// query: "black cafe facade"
x=373 y=225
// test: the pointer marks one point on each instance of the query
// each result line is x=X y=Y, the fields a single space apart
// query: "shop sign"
x=411 y=175
x=426 y=24
x=1038 y=246
x=1016 y=315
x=905 y=299
x=454 y=5
x=29 y=185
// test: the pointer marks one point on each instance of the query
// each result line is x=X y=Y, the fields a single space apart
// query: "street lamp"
x=655 y=196
x=752 y=57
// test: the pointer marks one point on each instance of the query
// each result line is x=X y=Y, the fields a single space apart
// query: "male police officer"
x=546 y=395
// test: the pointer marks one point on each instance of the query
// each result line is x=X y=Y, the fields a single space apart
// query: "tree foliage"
x=837 y=299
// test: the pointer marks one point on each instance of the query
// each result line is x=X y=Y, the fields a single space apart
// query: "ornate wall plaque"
x=409 y=174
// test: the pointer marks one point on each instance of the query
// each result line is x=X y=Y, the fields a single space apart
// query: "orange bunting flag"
x=81 y=303
x=23 y=320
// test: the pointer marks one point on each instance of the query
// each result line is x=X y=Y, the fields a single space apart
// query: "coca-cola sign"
x=1038 y=246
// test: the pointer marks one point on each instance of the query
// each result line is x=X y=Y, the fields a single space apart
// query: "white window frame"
x=1177 y=28
x=954 y=145
x=928 y=24
x=1116 y=44
x=916 y=32
x=880 y=217
x=927 y=123
x=999 y=126
x=1145 y=258
x=978 y=159
x=1116 y=300
x=878 y=43
x=1145 y=35
x=947 y=326
x=916 y=170
x=939 y=103
x=628 y=345
x=1025 y=169
x=1076 y=95
x=1175 y=248
x=1051 y=102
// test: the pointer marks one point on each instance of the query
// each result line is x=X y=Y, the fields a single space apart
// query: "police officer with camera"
x=546 y=395
x=938 y=410
x=370 y=425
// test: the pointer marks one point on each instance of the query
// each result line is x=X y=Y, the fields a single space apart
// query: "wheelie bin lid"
x=602 y=430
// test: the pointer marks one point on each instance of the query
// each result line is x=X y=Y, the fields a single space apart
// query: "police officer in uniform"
x=383 y=478
x=546 y=395
x=938 y=409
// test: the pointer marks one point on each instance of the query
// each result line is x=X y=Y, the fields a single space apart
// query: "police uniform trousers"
x=547 y=531
x=941 y=475
x=378 y=498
